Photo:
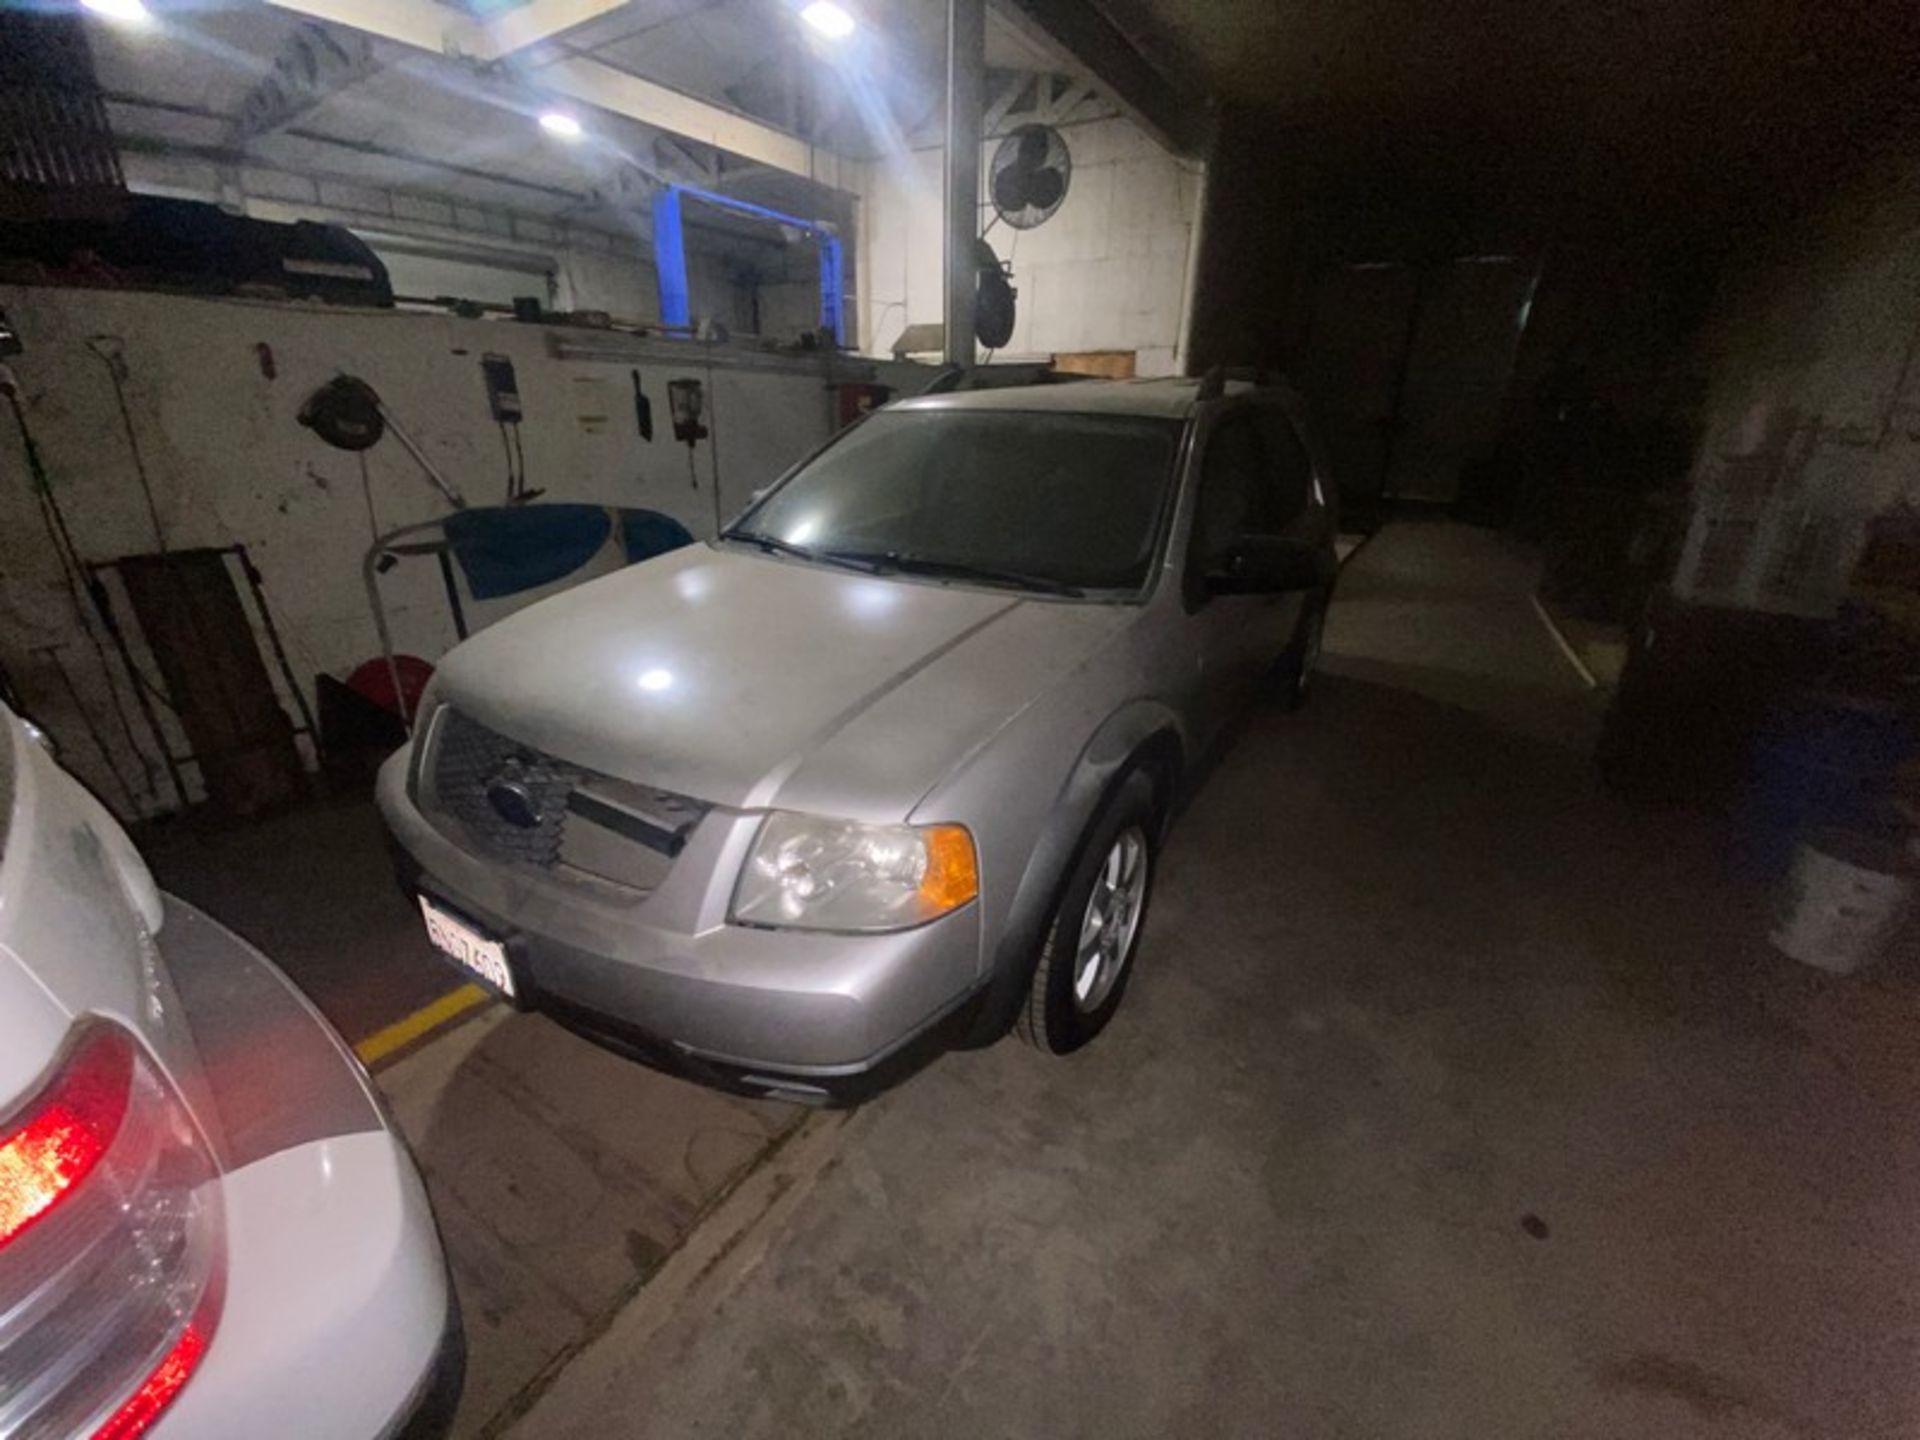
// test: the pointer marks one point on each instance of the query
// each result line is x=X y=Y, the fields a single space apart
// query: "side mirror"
x=1268 y=565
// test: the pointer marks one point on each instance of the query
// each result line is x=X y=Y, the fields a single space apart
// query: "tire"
x=1072 y=998
x=1294 y=674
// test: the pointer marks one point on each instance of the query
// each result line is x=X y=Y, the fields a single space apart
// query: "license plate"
x=467 y=947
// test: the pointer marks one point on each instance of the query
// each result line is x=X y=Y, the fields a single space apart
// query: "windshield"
x=1041 y=501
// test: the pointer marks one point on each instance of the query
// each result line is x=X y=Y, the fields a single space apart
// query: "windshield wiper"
x=774 y=545
x=959 y=570
x=876 y=561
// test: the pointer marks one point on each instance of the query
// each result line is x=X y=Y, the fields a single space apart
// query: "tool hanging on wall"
x=642 y=410
x=687 y=402
x=349 y=415
x=713 y=449
x=686 y=399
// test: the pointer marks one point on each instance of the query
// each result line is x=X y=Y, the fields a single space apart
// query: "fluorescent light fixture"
x=556 y=122
x=828 y=18
x=124 y=12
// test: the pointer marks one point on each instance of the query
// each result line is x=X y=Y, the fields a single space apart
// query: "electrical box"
x=503 y=391
x=688 y=401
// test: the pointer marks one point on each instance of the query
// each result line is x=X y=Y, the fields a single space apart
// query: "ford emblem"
x=513 y=799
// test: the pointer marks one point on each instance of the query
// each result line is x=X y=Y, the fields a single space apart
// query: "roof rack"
x=948 y=380
x=1213 y=384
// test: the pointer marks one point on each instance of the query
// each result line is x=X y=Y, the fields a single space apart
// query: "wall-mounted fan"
x=1031 y=170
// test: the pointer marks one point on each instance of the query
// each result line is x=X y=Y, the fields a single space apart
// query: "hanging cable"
x=506 y=447
x=73 y=576
x=1012 y=250
x=366 y=493
x=52 y=652
x=520 y=451
x=713 y=441
x=108 y=349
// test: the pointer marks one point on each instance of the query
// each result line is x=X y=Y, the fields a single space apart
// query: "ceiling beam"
x=673 y=153
x=540 y=20
x=1063 y=100
x=1081 y=30
x=425 y=25
x=419 y=23
x=594 y=83
x=1002 y=104
x=317 y=63
x=227 y=155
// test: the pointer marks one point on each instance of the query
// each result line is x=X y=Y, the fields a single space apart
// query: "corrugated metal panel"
x=57 y=154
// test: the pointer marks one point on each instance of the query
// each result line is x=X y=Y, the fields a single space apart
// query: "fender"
x=1143 y=733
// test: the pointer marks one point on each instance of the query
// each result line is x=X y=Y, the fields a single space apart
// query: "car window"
x=1073 y=499
x=1289 y=470
x=1237 y=496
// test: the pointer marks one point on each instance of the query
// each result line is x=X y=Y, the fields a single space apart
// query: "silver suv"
x=885 y=767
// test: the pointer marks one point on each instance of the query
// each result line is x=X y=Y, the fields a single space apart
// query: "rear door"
x=1232 y=635
x=1257 y=478
x=1294 y=509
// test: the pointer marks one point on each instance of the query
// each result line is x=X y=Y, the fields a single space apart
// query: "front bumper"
x=665 y=978
x=338 y=1322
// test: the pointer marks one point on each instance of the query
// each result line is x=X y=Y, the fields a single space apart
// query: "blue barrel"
x=1824 y=763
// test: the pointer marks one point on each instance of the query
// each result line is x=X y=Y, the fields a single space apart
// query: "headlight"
x=811 y=873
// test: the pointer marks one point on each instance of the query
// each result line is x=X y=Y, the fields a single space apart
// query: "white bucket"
x=1839 y=916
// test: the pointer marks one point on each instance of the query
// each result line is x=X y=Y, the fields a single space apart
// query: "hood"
x=738 y=678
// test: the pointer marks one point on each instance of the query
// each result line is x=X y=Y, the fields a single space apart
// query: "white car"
x=209 y=1229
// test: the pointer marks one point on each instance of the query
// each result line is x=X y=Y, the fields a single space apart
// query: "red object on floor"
x=857 y=401
x=374 y=679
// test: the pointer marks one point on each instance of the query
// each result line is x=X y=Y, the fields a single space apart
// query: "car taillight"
x=112 y=1255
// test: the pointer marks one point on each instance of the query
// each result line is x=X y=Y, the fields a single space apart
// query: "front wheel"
x=1090 y=943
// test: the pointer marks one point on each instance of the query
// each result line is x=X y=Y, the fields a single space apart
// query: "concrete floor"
x=1451 y=1099
x=562 y=1177
x=313 y=888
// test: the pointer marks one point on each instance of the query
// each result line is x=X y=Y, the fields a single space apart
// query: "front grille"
x=510 y=801
x=469 y=759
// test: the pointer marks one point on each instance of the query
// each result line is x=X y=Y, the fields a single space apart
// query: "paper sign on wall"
x=592 y=404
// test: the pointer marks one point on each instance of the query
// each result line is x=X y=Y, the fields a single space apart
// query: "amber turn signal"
x=952 y=876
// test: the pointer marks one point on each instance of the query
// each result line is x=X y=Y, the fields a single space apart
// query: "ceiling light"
x=556 y=122
x=828 y=18
x=126 y=12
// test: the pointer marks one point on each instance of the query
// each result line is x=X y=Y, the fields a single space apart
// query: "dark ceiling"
x=1702 y=114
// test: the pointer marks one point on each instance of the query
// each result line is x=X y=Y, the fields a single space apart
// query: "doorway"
x=1408 y=369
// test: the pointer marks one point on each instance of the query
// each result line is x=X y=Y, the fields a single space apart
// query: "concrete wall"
x=1812 y=418
x=1107 y=272
x=229 y=463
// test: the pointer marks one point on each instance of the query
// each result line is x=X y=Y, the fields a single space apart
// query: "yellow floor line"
x=1559 y=638
x=410 y=1028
